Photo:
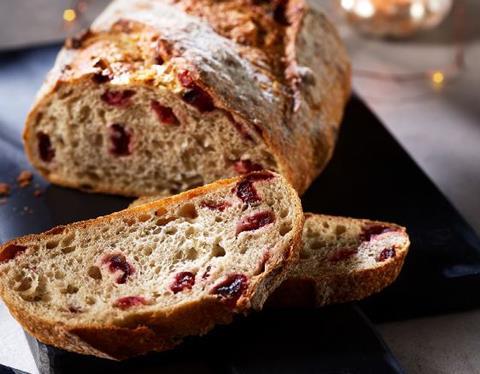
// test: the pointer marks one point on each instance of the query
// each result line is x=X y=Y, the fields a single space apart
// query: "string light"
x=69 y=15
x=438 y=78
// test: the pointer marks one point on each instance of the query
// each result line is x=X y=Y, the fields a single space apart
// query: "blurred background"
x=415 y=64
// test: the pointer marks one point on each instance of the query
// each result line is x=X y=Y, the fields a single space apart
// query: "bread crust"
x=318 y=289
x=163 y=329
x=290 y=86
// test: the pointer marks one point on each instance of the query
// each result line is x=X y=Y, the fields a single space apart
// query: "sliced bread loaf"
x=343 y=259
x=161 y=96
x=146 y=277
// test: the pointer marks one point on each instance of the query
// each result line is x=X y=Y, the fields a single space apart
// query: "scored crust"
x=152 y=327
x=278 y=69
x=342 y=260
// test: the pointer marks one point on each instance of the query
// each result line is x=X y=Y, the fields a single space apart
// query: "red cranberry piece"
x=120 y=139
x=118 y=262
x=127 y=302
x=195 y=95
x=386 y=254
x=255 y=221
x=245 y=189
x=342 y=254
x=164 y=114
x=371 y=230
x=117 y=98
x=246 y=166
x=182 y=281
x=231 y=288
x=45 y=149
x=11 y=251
x=212 y=205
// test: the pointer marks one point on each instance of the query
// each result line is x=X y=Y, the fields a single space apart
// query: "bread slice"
x=161 y=96
x=144 y=278
x=343 y=259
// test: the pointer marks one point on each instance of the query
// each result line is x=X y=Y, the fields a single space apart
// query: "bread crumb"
x=4 y=189
x=24 y=178
x=38 y=192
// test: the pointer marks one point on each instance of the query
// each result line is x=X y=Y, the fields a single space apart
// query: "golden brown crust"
x=294 y=69
x=160 y=330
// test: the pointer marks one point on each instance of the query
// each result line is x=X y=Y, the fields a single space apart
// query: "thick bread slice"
x=343 y=259
x=161 y=96
x=146 y=277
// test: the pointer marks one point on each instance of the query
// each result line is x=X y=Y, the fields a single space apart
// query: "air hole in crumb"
x=317 y=244
x=59 y=274
x=192 y=254
x=70 y=289
x=304 y=255
x=24 y=285
x=160 y=212
x=340 y=229
x=52 y=244
x=68 y=239
x=94 y=272
x=188 y=211
x=218 y=250
x=147 y=251
x=129 y=221
x=171 y=231
x=326 y=225
x=158 y=269
x=285 y=228
x=90 y=300
x=283 y=213
x=189 y=231
x=68 y=249
x=164 y=220
x=218 y=219
x=144 y=218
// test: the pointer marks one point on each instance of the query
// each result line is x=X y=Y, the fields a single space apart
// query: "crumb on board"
x=38 y=192
x=24 y=178
x=4 y=189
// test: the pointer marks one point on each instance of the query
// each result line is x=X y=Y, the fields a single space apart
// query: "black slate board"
x=369 y=176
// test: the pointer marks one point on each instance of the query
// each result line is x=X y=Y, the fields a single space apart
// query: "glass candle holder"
x=394 y=18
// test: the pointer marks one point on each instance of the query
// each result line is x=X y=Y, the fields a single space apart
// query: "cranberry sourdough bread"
x=146 y=277
x=161 y=96
x=343 y=259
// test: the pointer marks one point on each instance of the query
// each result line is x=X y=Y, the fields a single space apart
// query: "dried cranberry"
x=231 y=288
x=117 y=98
x=255 y=221
x=369 y=231
x=246 y=166
x=129 y=301
x=45 y=149
x=120 y=139
x=11 y=251
x=118 y=262
x=164 y=114
x=182 y=281
x=212 y=205
x=342 y=254
x=245 y=189
x=194 y=95
x=386 y=254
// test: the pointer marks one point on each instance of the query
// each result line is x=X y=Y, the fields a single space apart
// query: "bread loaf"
x=146 y=277
x=161 y=96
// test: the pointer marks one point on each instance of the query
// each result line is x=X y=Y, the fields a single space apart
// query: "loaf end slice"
x=144 y=278
x=342 y=260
